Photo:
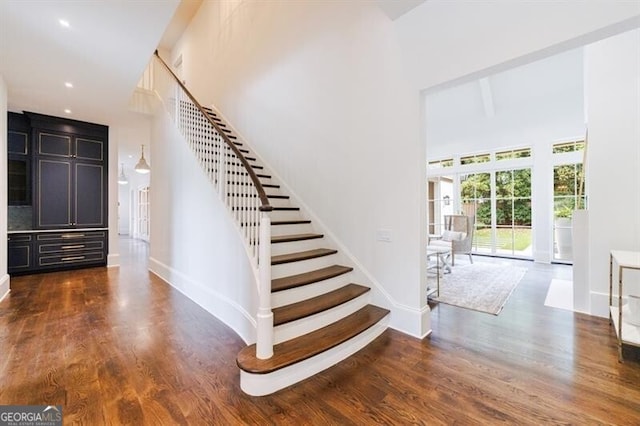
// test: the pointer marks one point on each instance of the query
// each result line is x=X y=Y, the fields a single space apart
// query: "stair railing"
x=234 y=180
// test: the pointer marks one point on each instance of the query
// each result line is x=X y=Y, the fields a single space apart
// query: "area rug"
x=483 y=287
x=560 y=294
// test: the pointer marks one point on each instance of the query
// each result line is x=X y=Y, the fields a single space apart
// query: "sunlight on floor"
x=560 y=294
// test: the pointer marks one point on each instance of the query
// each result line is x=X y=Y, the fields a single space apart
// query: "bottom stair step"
x=317 y=304
x=304 y=347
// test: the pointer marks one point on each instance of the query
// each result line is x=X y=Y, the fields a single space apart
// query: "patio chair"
x=458 y=235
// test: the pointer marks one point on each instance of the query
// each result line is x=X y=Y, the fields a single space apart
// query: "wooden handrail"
x=264 y=201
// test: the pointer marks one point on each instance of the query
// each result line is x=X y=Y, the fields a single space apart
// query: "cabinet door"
x=19 y=253
x=89 y=195
x=54 y=144
x=53 y=189
x=89 y=149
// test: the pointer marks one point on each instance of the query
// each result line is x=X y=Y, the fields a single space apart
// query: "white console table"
x=629 y=333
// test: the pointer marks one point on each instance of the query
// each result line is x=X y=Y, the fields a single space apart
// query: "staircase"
x=315 y=315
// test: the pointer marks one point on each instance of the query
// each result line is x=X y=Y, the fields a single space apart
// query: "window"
x=438 y=164
x=440 y=202
x=477 y=158
x=573 y=146
x=568 y=195
x=513 y=212
x=513 y=153
x=475 y=192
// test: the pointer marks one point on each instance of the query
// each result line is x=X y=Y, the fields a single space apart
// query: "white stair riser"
x=306 y=325
x=293 y=295
x=279 y=202
x=304 y=228
x=265 y=384
x=295 y=268
x=286 y=215
x=295 y=246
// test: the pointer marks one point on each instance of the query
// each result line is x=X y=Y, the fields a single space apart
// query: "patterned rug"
x=483 y=287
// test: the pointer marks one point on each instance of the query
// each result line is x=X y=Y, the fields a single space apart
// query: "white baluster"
x=264 y=341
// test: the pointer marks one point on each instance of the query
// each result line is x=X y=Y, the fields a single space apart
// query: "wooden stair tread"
x=301 y=255
x=306 y=346
x=294 y=237
x=289 y=222
x=280 y=197
x=293 y=281
x=317 y=304
x=286 y=208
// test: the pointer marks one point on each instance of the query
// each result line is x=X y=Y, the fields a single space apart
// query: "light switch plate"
x=384 y=235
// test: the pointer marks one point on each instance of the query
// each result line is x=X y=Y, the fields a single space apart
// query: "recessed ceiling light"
x=68 y=84
x=67 y=111
x=64 y=23
x=131 y=156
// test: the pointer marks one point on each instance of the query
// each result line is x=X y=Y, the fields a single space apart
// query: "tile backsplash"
x=19 y=218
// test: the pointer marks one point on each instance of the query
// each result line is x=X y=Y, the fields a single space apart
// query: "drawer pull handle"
x=73 y=247
x=64 y=259
x=72 y=235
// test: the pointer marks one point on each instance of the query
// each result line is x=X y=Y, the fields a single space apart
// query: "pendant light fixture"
x=122 y=178
x=142 y=166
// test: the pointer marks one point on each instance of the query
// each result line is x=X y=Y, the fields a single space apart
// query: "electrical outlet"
x=384 y=235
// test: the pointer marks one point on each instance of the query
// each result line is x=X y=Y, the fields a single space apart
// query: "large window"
x=568 y=195
x=513 y=212
x=475 y=193
x=441 y=201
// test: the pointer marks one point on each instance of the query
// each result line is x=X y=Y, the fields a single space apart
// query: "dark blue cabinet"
x=58 y=174
x=71 y=174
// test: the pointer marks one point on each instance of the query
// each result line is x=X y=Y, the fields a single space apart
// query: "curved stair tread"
x=315 y=305
x=294 y=237
x=301 y=255
x=306 y=346
x=299 y=280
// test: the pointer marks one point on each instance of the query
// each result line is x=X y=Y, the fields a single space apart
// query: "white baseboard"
x=113 y=260
x=5 y=286
x=218 y=305
x=411 y=321
x=599 y=304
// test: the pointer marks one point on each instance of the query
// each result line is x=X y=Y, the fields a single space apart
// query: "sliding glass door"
x=513 y=213
x=475 y=193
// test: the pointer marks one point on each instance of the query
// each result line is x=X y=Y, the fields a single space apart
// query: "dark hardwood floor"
x=119 y=346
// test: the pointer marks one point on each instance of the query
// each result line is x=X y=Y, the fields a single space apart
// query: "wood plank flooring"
x=119 y=346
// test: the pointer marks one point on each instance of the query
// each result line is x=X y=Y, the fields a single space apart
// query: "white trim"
x=5 y=286
x=113 y=260
x=265 y=384
x=218 y=305
x=599 y=303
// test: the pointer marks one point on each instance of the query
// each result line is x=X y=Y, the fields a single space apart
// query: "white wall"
x=318 y=89
x=194 y=243
x=613 y=160
x=4 y=278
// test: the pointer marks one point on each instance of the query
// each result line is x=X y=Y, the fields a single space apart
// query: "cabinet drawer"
x=70 y=246
x=71 y=258
x=63 y=237
x=19 y=238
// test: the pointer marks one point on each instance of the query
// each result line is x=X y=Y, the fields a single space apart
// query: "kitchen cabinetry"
x=19 y=161
x=20 y=253
x=74 y=248
x=70 y=175
x=58 y=219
